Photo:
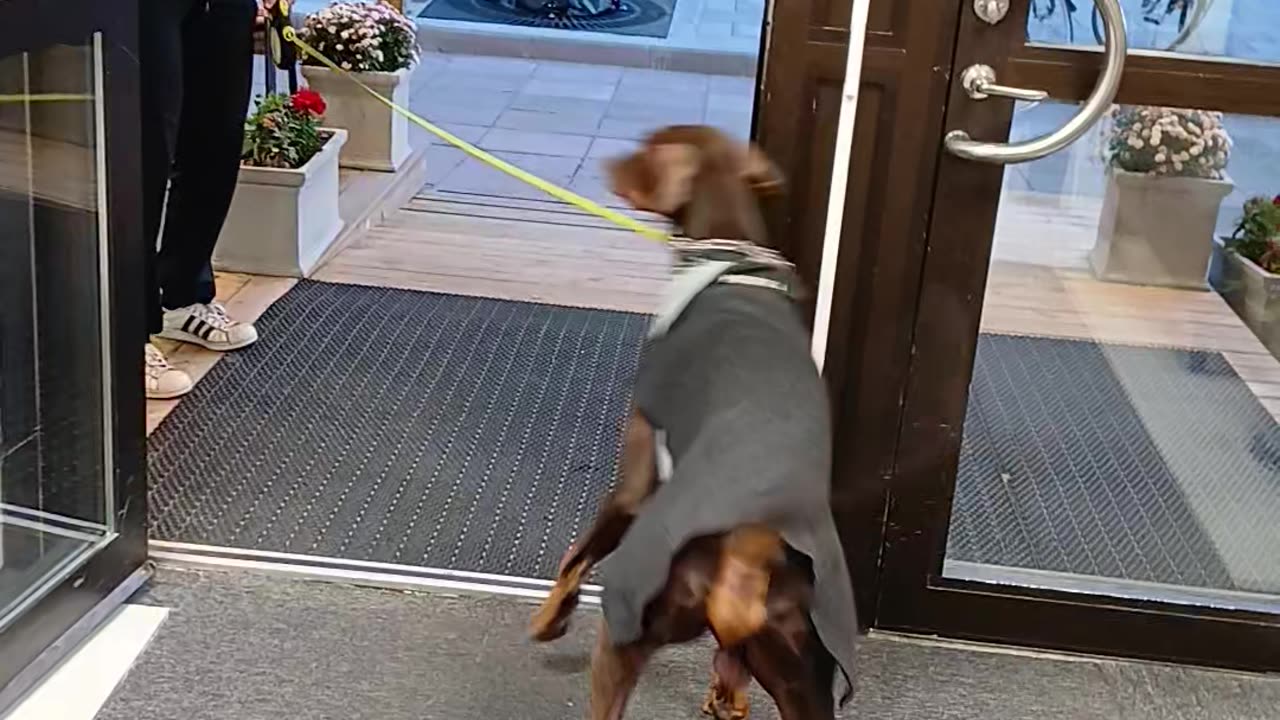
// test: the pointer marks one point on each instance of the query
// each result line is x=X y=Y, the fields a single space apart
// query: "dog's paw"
x=551 y=622
x=720 y=707
x=549 y=633
x=544 y=630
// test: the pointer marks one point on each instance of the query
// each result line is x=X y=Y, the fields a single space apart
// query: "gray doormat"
x=1085 y=458
x=405 y=427
x=643 y=18
x=239 y=646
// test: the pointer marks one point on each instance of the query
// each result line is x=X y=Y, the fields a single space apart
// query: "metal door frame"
x=912 y=595
x=70 y=611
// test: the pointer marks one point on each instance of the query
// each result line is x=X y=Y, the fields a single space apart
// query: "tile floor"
x=558 y=120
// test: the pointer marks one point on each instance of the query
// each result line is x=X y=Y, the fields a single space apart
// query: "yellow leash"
x=553 y=190
x=45 y=97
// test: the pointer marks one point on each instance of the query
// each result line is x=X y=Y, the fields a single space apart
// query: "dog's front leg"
x=637 y=480
x=614 y=673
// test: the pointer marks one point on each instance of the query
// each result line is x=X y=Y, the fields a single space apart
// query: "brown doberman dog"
x=750 y=583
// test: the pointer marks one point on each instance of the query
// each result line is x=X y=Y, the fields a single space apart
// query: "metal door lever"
x=980 y=82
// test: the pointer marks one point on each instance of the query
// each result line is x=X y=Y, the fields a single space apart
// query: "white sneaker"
x=163 y=381
x=208 y=325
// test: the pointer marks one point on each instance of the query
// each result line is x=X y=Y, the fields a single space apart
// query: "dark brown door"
x=892 y=167
x=1060 y=391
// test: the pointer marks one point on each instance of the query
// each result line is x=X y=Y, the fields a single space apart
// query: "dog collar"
x=756 y=281
x=741 y=252
x=703 y=263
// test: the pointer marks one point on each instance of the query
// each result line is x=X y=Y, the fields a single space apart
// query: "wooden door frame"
x=954 y=271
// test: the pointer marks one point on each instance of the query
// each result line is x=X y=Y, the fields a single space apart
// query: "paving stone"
x=557 y=105
x=603 y=147
x=582 y=123
x=577 y=72
x=536 y=143
x=589 y=90
x=472 y=176
x=655 y=115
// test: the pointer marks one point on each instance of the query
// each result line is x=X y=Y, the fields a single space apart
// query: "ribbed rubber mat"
x=1115 y=461
x=406 y=427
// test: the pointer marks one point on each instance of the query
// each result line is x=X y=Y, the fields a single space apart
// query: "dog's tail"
x=736 y=603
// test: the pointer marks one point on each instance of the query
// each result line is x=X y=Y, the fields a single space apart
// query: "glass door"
x=72 y=489
x=1089 y=457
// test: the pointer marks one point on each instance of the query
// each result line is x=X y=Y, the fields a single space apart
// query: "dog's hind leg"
x=727 y=696
x=614 y=673
x=736 y=605
x=789 y=660
x=638 y=476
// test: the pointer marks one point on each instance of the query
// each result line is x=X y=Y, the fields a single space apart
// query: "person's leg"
x=161 y=63
x=218 y=70
x=161 y=66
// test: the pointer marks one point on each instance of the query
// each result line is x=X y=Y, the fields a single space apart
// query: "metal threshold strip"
x=355 y=572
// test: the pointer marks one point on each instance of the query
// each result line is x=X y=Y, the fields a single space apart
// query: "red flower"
x=1276 y=201
x=308 y=101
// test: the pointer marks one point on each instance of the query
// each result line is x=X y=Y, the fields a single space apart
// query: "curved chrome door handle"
x=1115 y=48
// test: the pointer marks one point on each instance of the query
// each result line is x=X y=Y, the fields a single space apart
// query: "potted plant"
x=284 y=213
x=376 y=44
x=1166 y=180
x=1246 y=269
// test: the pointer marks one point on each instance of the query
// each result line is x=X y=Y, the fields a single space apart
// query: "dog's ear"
x=760 y=172
x=657 y=178
x=674 y=167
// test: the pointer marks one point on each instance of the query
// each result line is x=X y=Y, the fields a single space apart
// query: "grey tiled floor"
x=558 y=120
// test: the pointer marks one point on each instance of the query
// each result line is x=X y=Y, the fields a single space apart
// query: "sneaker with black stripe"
x=209 y=325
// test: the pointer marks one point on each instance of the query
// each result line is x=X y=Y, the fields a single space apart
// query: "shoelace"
x=215 y=314
x=156 y=359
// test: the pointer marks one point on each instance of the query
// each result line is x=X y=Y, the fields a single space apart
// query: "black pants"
x=197 y=73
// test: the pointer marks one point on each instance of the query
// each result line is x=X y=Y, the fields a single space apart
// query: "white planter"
x=1251 y=291
x=1156 y=230
x=378 y=137
x=282 y=221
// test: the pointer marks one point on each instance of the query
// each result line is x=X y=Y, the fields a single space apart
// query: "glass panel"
x=1123 y=428
x=53 y=439
x=1241 y=30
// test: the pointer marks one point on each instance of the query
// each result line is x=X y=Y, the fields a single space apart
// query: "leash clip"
x=282 y=53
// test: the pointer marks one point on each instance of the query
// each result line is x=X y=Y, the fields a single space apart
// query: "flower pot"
x=282 y=221
x=1156 y=230
x=378 y=138
x=1251 y=291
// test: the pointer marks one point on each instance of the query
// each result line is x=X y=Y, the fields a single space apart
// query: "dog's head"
x=676 y=163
